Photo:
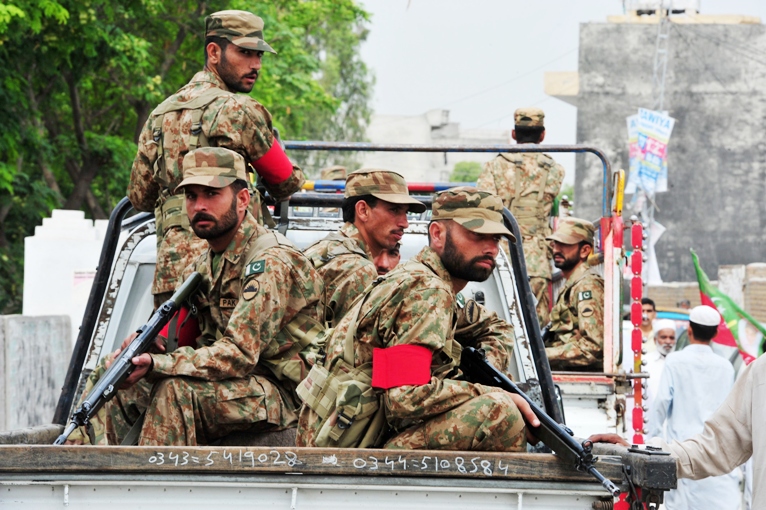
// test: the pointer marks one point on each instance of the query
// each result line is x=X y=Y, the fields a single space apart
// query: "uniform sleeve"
x=727 y=439
x=584 y=346
x=143 y=190
x=244 y=123
x=486 y=180
x=253 y=324
x=350 y=276
x=431 y=329
x=662 y=402
x=480 y=328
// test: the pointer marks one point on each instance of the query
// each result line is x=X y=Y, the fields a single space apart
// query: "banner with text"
x=648 y=136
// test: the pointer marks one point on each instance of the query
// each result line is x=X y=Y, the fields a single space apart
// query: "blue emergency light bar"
x=414 y=187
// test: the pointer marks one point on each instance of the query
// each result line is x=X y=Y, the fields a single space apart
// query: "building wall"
x=432 y=127
x=717 y=152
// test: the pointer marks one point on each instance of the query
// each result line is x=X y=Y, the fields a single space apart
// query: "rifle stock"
x=557 y=437
x=122 y=367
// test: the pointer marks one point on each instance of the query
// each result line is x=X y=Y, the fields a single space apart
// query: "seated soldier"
x=395 y=353
x=243 y=372
x=576 y=336
x=375 y=211
x=388 y=259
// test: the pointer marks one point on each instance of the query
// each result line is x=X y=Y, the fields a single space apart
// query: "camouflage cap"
x=478 y=211
x=333 y=173
x=242 y=28
x=572 y=231
x=382 y=184
x=529 y=117
x=215 y=167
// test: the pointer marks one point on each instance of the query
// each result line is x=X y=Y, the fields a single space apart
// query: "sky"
x=482 y=59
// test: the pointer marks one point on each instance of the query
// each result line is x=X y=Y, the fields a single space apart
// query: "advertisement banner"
x=648 y=154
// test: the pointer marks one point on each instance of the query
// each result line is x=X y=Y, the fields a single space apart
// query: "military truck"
x=243 y=471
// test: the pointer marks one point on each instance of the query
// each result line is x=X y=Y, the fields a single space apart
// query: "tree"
x=80 y=78
x=465 y=171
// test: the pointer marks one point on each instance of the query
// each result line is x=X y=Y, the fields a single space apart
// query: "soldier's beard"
x=226 y=224
x=568 y=263
x=230 y=78
x=458 y=267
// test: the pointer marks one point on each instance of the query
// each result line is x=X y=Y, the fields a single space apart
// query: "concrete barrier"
x=34 y=356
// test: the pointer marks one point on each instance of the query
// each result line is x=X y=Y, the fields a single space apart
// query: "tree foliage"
x=465 y=171
x=80 y=78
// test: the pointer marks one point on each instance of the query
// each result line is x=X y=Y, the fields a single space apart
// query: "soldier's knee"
x=171 y=387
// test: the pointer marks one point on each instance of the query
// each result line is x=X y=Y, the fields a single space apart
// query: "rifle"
x=122 y=367
x=559 y=438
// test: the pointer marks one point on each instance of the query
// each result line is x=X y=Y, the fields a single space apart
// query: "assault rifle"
x=122 y=367
x=558 y=438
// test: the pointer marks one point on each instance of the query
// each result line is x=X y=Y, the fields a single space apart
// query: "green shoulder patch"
x=460 y=300
x=255 y=267
x=582 y=296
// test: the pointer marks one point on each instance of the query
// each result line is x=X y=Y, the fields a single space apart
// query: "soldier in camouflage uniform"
x=375 y=209
x=207 y=112
x=333 y=173
x=395 y=353
x=577 y=318
x=388 y=259
x=528 y=184
x=243 y=371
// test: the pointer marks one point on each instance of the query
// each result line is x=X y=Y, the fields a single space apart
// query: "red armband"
x=274 y=166
x=401 y=365
x=187 y=329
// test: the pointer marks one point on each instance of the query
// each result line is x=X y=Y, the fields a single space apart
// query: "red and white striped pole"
x=636 y=293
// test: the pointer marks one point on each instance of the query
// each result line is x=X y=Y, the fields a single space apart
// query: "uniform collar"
x=578 y=273
x=248 y=230
x=209 y=77
x=431 y=259
x=349 y=230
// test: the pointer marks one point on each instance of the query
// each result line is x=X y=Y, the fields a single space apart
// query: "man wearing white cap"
x=665 y=341
x=694 y=383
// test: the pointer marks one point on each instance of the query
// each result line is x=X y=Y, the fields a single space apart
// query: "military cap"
x=333 y=173
x=478 y=211
x=572 y=231
x=382 y=184
x=242 y=28
x=529 y=117
x=215 y=167
x=705 y=315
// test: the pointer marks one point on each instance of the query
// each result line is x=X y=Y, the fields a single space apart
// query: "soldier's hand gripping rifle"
x=122 y=366
x=558 y=438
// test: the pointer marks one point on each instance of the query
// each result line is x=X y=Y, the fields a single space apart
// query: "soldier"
x=207 y=112
x=528 y=184
x=577 y=318
x=395 y=352
x=333 y=173
x=388 y=259
x=375 y=209
x=243 y=372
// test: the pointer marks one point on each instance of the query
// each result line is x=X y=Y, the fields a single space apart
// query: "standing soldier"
x=207 y=112
x=375 y=209
x=528 y=184
x=577 y=318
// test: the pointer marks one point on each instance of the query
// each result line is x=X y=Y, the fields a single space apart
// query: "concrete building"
x=717 y=152
x=433 y=127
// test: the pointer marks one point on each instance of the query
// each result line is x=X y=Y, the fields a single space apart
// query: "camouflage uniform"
x=577 y=318
x=415 y=304
x=229 y=382
x=235 y=121
x=333 y=173
x=528 y=185
x=343 y=259
x=345 y=265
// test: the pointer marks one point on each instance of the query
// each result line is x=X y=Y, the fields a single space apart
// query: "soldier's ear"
x=213 y=52
x=243 y=200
